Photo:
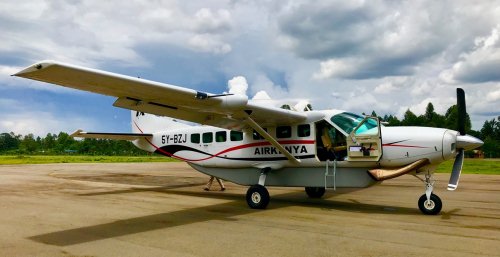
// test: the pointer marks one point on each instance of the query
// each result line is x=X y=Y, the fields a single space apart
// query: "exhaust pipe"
x=383 y=174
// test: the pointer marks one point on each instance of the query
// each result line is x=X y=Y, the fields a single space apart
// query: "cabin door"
x=364 y=143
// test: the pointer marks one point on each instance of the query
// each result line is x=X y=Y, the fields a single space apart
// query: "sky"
x=359 y=56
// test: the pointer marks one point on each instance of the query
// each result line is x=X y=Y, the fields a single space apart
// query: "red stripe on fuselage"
x=159 y=149
x=407 y=146
x=234 y=148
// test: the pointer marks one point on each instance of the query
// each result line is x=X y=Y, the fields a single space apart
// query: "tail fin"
x=149 y=123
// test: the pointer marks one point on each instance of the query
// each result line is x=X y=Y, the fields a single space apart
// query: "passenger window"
x=236 y=136
x=283 y=132
x=208 y=137
x=257 y=136
x=220 y=136
x=195 y=138
x=304 y=130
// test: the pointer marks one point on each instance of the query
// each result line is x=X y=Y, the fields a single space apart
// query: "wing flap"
x=114 y=136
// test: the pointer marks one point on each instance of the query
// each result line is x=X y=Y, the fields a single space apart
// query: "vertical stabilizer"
x=149 y=123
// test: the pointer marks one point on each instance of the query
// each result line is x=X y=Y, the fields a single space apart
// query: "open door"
x=365 y=141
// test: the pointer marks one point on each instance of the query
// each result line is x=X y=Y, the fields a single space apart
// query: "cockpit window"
x=349 y=121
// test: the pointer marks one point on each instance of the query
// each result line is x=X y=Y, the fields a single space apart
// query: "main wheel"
x=257 y=197
x=315 y=192
x=432 y=206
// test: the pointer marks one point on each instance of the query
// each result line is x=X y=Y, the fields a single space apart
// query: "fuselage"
x=215 y=147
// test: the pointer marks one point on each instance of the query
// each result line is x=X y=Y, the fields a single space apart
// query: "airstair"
x=331 y=172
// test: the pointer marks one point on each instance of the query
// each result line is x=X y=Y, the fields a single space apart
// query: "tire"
x=315 y=192
x=257 y=197
x=433 y=207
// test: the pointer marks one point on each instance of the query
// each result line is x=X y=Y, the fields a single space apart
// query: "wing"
x=225 y=111
x=114 y=136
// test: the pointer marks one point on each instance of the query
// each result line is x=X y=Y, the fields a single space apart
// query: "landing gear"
x=315 y=192
x=257 y=197
x=429 y=203
x=430 y=207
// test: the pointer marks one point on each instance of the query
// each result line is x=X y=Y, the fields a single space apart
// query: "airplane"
x=256 y=145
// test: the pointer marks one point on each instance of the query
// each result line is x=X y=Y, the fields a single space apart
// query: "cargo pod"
x=364 y=137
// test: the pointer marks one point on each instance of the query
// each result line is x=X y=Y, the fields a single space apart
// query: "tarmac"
x=161 y=209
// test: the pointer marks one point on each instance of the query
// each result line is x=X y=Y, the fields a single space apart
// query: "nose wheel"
x=431 y=206
x=429 y=203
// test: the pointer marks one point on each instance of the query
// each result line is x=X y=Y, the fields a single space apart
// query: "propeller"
x=459 y=159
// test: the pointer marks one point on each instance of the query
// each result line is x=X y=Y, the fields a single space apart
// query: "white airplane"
x=251 y=144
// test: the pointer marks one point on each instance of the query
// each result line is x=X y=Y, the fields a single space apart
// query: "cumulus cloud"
x=208 y=43
x=494 y=96
x=383 y=54
x=261 y=95
x=207 y=20
x=373 y=39
x=481 y=64
x=336 y=68
x=22 y=119
x=237 y=85
x=93 y=32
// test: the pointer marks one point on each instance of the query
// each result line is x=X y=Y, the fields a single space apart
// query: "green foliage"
x=62 y=143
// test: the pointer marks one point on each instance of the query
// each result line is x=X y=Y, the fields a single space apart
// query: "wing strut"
x=271 y=140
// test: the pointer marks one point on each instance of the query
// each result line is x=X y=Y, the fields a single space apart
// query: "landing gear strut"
x=429 y=203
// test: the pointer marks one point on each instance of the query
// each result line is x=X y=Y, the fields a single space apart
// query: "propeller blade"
x=457 y=169
x=462 y=113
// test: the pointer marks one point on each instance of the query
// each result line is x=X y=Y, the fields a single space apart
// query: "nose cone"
x=468 y=142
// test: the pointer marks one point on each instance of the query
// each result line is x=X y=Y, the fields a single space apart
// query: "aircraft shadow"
x=223 y=211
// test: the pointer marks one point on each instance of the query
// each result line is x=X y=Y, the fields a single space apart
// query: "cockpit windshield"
x=349 y=121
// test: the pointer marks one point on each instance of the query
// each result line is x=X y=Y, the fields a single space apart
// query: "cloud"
x=261 y=95
x=374 y=39
x=355 y=55
x=391 y=85
x=493 y=96
x=363 y=39
x=481 y=64
x=93 y=32
x=207 y=20
x=237 y=85
x=22 y=119
x=208 y=43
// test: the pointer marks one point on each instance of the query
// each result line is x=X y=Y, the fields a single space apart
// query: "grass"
x=41 y=159
x=473 y=166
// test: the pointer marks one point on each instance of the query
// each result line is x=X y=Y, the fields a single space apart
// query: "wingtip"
x=34 y=67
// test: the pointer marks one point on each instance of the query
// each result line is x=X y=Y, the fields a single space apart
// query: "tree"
x=49 y=142
x=410 y=119
x=429 y=112
x=9 y=141
x=451 y=119
x=29 y=144
x=392 y=120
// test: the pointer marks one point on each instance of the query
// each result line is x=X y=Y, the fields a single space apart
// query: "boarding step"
x=331 y=172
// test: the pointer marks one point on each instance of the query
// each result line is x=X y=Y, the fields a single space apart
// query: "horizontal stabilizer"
x=114 y=136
